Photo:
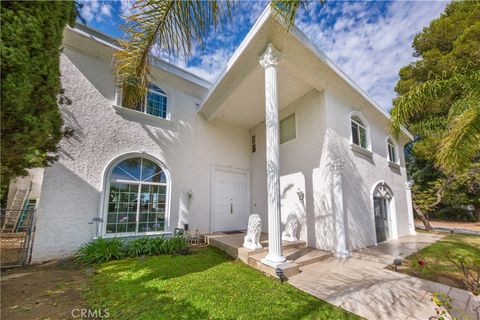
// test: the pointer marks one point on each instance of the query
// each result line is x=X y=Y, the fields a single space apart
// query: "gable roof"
x=113 y=43
x=269 y=14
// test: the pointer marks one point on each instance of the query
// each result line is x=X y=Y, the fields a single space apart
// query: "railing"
x=17 y=246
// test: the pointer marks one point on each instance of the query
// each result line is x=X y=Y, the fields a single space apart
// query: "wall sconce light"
x=301 y=195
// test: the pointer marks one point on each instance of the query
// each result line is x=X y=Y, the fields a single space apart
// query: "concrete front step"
x=297 y=253
x=298 y=256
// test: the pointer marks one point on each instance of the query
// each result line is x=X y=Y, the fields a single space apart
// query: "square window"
x=288 y=130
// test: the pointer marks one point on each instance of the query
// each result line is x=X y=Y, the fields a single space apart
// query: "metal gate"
x=16 y=242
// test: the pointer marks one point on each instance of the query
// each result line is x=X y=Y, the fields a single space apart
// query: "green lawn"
x=437 y=265
x=203 y=285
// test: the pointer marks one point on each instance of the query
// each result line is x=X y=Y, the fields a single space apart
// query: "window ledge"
x=133 y=234
x=393 y=165
x=141 y=115
x=361 y=150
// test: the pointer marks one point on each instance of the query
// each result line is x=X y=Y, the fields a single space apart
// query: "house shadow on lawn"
x=204 y=285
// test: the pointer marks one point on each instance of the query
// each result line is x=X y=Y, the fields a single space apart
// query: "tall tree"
x=31 y=124
x=438 y=100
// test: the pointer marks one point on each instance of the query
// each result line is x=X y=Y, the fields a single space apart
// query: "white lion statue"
x=291 y=227
x=252 y=239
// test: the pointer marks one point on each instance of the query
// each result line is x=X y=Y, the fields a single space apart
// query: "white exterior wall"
x=363 y=173
x=323 y=135
x=187 y=146
x=299 y=162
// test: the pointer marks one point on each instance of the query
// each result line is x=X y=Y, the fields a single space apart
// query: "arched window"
x=154 y=103
x=137 y=197
x=392 y=151
x=359 y=132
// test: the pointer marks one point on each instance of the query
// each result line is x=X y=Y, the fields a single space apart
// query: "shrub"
x=155 y=246
x=136 y=247
x=454 y=214
x=100 y=250
x=470 y=269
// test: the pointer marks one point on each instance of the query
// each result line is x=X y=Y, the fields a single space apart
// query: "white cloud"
x=370 y=41
x=106 y=10
x=371 y=46
x=95 y=10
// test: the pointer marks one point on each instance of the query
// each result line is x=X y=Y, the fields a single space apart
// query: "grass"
x=437 y=265
x=204 y=285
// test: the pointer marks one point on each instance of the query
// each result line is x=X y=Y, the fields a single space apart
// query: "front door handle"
x=231 y=206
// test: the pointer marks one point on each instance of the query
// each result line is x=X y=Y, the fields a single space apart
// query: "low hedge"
x=102 y=250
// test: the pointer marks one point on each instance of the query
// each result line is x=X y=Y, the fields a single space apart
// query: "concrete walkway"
x=362 y=285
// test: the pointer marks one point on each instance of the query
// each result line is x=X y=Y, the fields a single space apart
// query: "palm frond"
x=174 y=26
x=429 y=126
x=287 y=9
x=460 y=143
x=416 y=101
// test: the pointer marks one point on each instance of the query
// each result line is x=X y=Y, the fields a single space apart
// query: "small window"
x=288 y=130
x=155 y=102
x=359 y=132
x=254 y=144
x=392 y=151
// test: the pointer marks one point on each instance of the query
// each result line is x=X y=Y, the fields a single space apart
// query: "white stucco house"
x=282 y=131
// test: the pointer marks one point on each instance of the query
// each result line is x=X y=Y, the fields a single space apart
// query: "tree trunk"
x=477 y=211
x=422 y=217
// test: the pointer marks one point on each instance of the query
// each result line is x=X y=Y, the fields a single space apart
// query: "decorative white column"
x=339 y=212
x=269 y=61
x=411 y=222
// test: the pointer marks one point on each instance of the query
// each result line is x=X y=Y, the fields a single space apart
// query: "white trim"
x=142 y=115
x=356 y=148
x=365 y=125
x=167 y=94
x=392 y=214
x=155 y=62
x=395 y=146
x=213 y=169
x=303 y=39
x=106 y=185
x=238 y=52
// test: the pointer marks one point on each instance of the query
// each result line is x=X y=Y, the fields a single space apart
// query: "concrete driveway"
x=362 y=285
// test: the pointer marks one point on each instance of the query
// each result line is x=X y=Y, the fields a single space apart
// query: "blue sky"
x=369 y=40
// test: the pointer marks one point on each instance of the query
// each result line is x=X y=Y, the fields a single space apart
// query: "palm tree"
x=458 y=134
x=176 y=27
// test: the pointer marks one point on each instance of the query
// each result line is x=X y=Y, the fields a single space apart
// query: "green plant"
x=470 y=269
x=100 y=250
x=136 y=247
x=444 y=305
x=152 y=246
x=31 y=123
x=454 y=214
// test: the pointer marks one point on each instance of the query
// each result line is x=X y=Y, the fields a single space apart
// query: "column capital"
x=409 y=184
x=271 y=57
x=338 y=166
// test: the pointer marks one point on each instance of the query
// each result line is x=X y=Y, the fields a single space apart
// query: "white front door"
x=230 y=200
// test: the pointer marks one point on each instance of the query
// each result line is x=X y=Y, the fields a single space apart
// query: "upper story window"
x=288 y=129
x=359 y=132
x=155 y=102
x=392 y=151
